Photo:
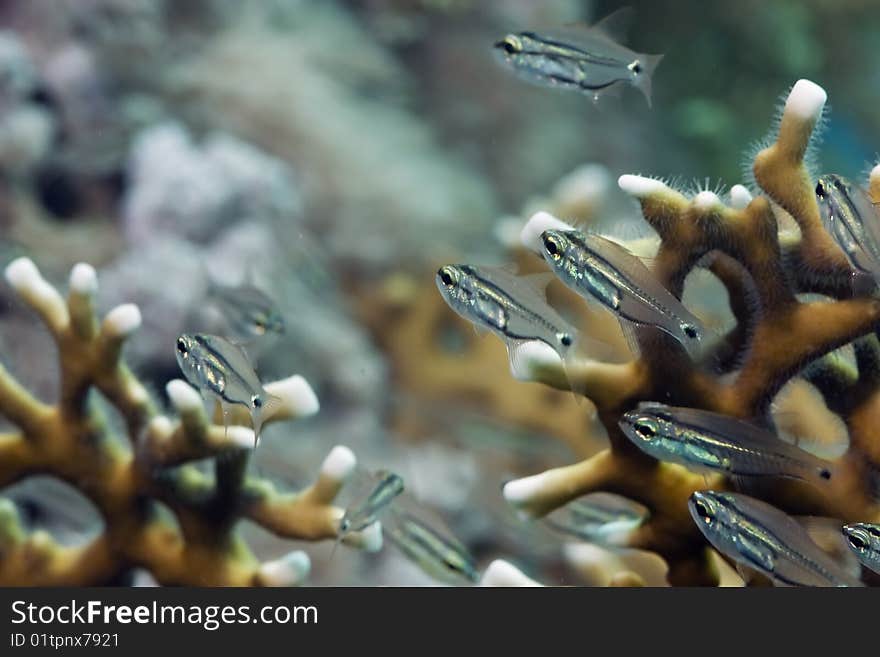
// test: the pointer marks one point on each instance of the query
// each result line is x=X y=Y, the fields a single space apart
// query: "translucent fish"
x=221 y=369
x=863 y=539
x=437 y=555
x=248 y=311
x=705 y=441
x=581 y=58
x=599 y=518
x=513 y=307
x=598 y=268
x=360 y=516
x=852 y=220
x=760 y=536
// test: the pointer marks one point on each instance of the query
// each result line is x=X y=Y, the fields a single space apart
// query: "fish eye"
x=446 y=276
x=825 y=473
x=552 y=246
x=510 y=45
x=820 y=189
x=703 y=510
x=857 y=541
x=181 y=347
x=690 y=331
x=565 y=340
x=635 y=67
x=646 y=429
x=256 y=401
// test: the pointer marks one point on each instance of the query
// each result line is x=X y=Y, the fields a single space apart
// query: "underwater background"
x=337 y=153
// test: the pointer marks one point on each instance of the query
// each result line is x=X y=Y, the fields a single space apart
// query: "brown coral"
x=777 y=335
x=160 y=511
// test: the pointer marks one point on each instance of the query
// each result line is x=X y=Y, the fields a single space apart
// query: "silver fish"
x=864 y=539
x=598 y=518
x=221 y=369
x=248 y=311
x=437 y=555
x=364 y=514
x=851 y=219
x=762 y=537
x=585 y=59
x=702 y=440
x=596 y=267
x=508 y=305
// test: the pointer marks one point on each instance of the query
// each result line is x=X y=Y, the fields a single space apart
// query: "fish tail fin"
x=271 y=405
x=643 y=79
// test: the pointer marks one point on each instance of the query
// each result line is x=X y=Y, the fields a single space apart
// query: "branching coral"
x=776 y=337
x=161 y=512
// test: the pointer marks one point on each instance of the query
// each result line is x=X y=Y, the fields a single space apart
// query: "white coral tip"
x=22 y=273
x=520 y=492
x=530 y=236
x=706 y=201
x=160 y=427
x=368 y=539
x=183 y=396
x=297 y=394
x=123 y=320
x=740 y=197
x=640 y=186
x=532 y=355
x=505 y=574
x=601 y=563
x=240 y=436
x=806 y=100
x=339 y=464
x=83 y=279
x=289 y=570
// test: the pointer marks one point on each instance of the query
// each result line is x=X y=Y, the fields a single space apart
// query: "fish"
x=850 y=217
x=760 y=536
x=437 y=555
x=513 y=307
x=597 y=518
x=221 y=369
x=248 y=311
x=586 y=59
x=364 y=514
x=863 y=539
x=596 y=267
x=704 y=441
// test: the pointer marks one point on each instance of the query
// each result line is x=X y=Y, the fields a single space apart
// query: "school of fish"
x=752 y=534
x=749 y=532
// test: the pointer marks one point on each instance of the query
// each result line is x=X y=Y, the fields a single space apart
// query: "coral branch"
x=74 y=442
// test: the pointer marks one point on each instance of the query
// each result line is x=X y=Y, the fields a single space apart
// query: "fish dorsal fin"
x=613 y=28
x=615 y=25
x=815 y=445
x=538 y=282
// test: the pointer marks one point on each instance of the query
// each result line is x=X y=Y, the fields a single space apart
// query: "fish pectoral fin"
x=756 y=554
